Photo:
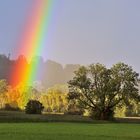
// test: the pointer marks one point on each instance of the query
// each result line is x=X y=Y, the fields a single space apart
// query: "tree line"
x=95 y=90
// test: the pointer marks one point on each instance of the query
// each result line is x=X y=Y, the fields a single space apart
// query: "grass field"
x=69 y=131
x=18 y=116
x=20 y=126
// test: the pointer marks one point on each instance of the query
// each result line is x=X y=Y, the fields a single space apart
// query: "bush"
x=34 y=107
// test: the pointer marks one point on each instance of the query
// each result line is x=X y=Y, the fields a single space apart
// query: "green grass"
x=62 y=127
x=69 y=131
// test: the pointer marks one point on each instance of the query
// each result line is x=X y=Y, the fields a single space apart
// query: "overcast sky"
x=84 y=31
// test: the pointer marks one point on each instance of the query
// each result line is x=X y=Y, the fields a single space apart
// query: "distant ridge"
x=49 y=72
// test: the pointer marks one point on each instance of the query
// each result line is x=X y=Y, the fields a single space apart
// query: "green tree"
x=55 y=99
x=3 y=86
x=101 y=90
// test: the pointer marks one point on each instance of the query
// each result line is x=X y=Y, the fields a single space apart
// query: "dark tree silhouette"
x=34 y=107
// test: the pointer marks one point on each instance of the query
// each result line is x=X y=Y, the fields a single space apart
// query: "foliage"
x=34 y=107
x=101 y=90
x=54 y=100
x=3 y=86
x=120 y=112
x=74 y=110
x=3 y=90
x=133 y=109
x=96 y=89
x=19 y=95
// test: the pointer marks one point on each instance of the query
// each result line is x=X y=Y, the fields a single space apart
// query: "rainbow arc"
x=33 y=39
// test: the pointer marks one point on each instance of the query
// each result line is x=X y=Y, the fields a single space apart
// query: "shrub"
x=34 y=107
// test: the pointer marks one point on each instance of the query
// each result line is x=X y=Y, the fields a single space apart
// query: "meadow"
x=20 y=126
x=69 y=131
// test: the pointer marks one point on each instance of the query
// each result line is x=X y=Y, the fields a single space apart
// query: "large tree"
x=100 y=90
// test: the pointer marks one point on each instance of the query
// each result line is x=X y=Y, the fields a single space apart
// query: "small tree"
x=4 y=87
x=101 y=90
x=34 y=107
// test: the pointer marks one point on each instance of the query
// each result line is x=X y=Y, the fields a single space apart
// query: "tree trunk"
x=106 y=114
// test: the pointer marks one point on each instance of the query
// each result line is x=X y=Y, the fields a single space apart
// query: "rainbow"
x=33 y=40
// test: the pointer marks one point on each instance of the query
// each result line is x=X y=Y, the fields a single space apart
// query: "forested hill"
x=48 y=72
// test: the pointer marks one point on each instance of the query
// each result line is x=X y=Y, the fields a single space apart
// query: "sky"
x=82 y=31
